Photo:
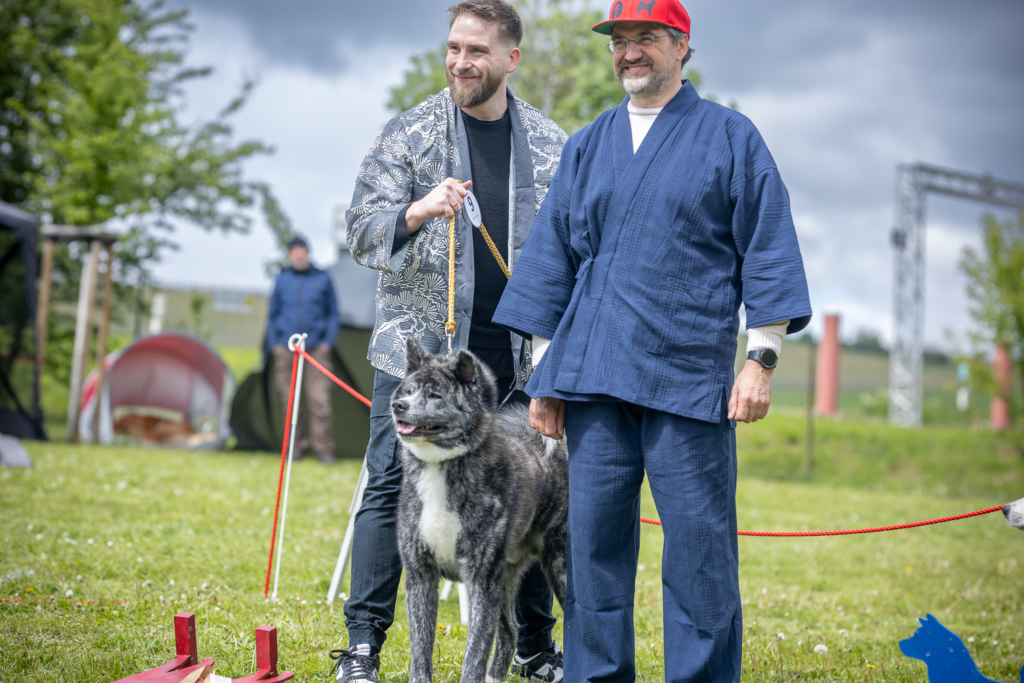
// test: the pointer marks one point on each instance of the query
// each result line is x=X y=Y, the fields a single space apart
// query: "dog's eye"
x=433 y=395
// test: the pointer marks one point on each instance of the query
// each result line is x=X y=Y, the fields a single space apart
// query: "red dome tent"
x=172 y=378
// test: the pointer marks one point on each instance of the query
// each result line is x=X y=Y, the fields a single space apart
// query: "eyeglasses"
x=622 y=44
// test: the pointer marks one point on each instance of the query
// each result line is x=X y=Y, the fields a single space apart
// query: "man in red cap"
x=665 y=215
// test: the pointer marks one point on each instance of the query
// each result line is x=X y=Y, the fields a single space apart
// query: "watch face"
x=769 y=358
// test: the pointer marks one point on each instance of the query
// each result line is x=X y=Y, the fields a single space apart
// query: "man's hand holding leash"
x=445 y=200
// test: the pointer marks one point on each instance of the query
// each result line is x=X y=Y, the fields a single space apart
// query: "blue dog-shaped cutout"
x=946 y=656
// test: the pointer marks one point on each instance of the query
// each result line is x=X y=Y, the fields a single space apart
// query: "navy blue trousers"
x=376 y=565
x=692 y=470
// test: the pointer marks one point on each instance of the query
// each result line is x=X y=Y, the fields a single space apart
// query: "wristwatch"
x=766 y=357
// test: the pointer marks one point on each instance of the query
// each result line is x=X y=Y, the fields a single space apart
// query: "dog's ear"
x=415 y=356
x=465 y=367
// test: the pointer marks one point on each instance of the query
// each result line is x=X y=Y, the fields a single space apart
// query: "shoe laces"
x=360 y=665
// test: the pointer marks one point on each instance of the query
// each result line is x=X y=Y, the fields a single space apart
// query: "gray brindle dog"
x=483 y=496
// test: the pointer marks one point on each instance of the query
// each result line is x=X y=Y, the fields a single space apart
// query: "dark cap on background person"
x=669 y=13
x=297 y=242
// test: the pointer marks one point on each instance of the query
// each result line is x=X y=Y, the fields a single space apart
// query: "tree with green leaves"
x=995 y=287
x=90 y=96
x=91 y=133
x=565 y=71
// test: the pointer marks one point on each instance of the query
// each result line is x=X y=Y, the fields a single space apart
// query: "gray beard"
x=467 y=98
x=646 y=87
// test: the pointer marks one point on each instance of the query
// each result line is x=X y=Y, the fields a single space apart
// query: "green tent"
x=258 y=412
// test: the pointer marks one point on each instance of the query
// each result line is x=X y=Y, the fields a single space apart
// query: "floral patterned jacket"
x=414 y=152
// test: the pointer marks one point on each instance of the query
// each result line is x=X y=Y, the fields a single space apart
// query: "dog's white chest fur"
x=439 y=526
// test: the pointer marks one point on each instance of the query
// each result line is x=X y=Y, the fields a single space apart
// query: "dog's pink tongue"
x=405 y=428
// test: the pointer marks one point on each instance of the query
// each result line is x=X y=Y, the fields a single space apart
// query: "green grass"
x=242 y=360
x=174 y=531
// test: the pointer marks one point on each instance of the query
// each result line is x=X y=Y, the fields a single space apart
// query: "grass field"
x=105 y=544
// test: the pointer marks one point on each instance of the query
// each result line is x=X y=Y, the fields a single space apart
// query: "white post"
x=463 y=603
x=83 y=332
x=346 y=546
x=293 y=341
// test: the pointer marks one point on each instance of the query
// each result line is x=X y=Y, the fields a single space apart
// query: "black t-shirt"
x=490 y=156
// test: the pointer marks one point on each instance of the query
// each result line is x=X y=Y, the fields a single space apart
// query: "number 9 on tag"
x=472 y=209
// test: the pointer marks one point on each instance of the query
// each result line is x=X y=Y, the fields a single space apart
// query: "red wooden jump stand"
x=186 y=665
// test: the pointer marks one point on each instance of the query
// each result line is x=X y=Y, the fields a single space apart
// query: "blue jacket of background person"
x=637 y=263
x=303 y=302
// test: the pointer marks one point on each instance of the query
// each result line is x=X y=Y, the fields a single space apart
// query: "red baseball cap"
x=664 y=12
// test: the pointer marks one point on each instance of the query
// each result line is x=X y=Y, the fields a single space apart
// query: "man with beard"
x=666 y=213
x=406 y=192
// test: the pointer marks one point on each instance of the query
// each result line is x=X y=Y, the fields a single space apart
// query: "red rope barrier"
x=846 y=532
x=280 y=476
x=312 y=361
x=53 y=600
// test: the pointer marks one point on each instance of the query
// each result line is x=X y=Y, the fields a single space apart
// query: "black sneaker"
x=544 y=667
x=356 y=665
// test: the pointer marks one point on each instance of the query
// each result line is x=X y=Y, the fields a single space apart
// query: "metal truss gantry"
x=913 y=182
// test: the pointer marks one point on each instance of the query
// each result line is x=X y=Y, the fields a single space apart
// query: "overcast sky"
x=841 y=92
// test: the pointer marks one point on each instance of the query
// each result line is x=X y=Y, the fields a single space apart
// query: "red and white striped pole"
x=295 y=341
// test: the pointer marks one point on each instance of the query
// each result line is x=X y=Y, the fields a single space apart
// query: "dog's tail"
x=557 y=448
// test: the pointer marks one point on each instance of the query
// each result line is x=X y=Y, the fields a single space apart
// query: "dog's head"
x=933 y=643
x=444 y=407
x=1014 y=513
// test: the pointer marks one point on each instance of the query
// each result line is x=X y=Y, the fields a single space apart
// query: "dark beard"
x=468 y=98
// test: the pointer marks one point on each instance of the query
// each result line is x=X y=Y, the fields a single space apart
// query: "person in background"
x=304 y=302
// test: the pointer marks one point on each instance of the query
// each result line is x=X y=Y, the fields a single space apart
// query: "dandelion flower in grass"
x=970 y=639
x=843 y=632
x=821 y=649
x=781 y=636
x=69 y=593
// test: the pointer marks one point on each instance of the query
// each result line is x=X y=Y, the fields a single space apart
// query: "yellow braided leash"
x=494 y=250
x=449 y=328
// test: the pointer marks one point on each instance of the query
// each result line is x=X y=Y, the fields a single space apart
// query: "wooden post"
x=999 y=412
x=101 y=342
x=43 y=306
x=811 y=363
x=827 y=389
x=83 y=332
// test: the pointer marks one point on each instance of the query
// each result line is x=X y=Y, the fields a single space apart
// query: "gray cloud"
x=320 y=34
x=841 y=92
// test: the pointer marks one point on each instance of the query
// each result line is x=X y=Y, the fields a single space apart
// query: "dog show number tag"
x=472 y=209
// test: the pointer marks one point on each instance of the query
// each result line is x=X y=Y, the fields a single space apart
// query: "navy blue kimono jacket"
x=636 y=265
